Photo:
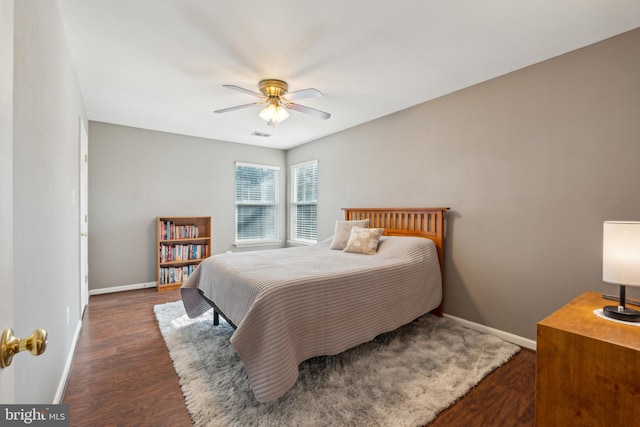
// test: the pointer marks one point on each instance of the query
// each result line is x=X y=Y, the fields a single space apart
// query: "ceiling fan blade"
x=308 y=110
x=304 y=93
x=241 y=89
x=238 y=107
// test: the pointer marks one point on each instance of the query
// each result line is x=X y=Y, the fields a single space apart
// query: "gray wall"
x=136 y=175
x=531 y=164
x=47 y=109
x=7 y=377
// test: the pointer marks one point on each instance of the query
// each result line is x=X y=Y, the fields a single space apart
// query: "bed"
x=288 y=305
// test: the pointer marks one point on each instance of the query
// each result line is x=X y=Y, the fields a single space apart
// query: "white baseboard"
x=516 y=339
x=67 y=367
x=122 y=288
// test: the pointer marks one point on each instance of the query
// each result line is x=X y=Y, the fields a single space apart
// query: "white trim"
x=516 y=339
x=291 y=243
x=122 y=288
x=256 y=243
x=293 y=204
x=67 y=367
x=275 y=204
x=257 y=165
x=308 y=162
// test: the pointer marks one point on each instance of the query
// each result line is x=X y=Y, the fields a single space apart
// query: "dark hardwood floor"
x=122 y=374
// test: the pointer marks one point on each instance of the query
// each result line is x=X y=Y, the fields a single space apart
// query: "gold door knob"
x=36 y=344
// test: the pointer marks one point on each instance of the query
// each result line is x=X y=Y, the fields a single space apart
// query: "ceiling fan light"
x=274 y=113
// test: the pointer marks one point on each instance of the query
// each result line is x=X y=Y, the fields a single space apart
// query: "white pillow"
x=364 y=240
x=342 y=232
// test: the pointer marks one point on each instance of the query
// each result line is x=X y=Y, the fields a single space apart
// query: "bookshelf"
x=182 y=242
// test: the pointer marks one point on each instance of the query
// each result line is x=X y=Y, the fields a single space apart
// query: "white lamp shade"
x=621 y=253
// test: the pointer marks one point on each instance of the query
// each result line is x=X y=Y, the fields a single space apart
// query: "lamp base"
x=626 y=314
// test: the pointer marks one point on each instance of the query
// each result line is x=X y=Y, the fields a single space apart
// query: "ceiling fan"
x=277 y=100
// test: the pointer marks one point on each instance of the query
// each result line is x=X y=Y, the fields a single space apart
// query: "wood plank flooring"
x=122 y=374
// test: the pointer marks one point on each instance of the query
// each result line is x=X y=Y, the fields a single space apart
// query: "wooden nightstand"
x=587 y=368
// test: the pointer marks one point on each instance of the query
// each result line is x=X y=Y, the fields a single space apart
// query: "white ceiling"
x=161 y=64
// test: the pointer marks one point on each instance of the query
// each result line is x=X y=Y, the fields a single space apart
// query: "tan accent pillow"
x=342 y=232
x=364 y=240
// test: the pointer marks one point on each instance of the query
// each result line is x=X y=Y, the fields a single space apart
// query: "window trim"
x=258 y=242
x=293 y=204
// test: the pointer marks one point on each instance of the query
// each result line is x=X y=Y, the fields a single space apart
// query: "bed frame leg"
x=216 y=318
x=438 y=311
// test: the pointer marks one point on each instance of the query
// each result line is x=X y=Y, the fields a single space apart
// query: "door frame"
x=84 y=216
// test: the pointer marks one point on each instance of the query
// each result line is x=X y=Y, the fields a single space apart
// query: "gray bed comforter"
x=296 y=303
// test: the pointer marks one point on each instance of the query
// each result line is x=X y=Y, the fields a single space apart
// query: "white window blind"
x=256 y=203
x=304 y=202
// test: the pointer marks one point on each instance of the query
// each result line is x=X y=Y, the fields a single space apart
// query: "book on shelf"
x=186 y=252
x=175 y=274
x=171 y=231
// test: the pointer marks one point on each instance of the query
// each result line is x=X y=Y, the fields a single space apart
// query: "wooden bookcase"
x=182 y=242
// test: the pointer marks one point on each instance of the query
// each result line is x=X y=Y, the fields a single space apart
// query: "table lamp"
x=621 y=264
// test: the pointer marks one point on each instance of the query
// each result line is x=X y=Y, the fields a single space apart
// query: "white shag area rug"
x=402 y=378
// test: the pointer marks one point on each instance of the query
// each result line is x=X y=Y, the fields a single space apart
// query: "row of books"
x=175 y=274
x=183 y=252
x=169 y=231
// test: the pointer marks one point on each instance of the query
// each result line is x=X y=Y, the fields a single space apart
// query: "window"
x=304 y=202
x=256 y=204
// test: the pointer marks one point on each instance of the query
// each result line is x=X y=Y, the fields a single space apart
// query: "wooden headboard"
x=422 y=222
